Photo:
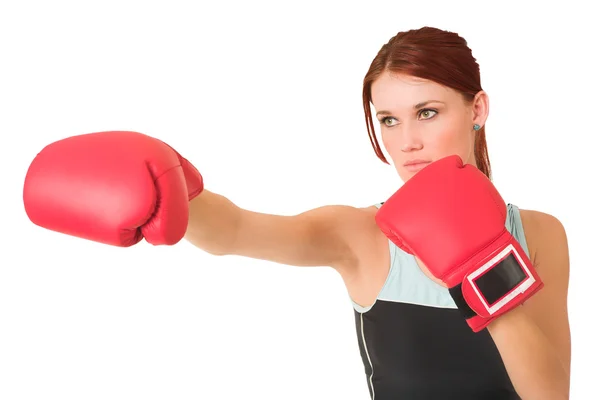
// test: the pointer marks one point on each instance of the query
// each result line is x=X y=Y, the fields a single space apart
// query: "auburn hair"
x=436 y=55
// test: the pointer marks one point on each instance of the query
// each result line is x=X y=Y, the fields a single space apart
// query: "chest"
x=419 y=351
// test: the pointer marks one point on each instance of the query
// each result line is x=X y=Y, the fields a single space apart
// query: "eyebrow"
x=416 y=106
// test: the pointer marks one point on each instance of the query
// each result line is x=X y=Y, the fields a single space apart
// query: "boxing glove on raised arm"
x=452 y=218
x=113 y=187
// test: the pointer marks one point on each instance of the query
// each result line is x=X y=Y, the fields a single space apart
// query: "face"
x=422 y=121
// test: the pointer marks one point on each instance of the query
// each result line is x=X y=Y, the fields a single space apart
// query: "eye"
x=387 y=121
x=428 y=113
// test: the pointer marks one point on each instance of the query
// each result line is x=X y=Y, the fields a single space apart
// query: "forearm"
x=534 y=367
x=213 y=223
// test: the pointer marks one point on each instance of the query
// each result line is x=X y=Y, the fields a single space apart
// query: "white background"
x=265 y=99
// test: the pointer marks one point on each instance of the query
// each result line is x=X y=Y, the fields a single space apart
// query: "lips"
x=416 y=165
x=414 y=162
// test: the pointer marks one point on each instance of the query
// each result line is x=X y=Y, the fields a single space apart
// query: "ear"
x=480 y=108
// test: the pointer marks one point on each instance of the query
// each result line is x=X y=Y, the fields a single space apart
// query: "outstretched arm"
x=324 y=236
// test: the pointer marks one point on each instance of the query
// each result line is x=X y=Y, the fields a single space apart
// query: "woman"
x=425 y=89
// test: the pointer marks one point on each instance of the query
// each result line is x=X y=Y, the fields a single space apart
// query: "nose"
x=411 y=141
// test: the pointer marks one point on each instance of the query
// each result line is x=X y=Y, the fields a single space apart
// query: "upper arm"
x=324 y=236
x=549 y=252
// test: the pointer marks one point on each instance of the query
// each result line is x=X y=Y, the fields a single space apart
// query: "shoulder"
x=546 y=237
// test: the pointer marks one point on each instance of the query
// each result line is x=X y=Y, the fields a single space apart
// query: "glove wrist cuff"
x=498 y=284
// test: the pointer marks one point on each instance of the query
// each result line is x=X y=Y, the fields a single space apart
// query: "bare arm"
x=325 y=236
x=534 y=340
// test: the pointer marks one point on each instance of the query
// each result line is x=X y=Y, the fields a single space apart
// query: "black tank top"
x=415 y=345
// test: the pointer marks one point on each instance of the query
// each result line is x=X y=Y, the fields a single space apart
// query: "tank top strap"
x=514 y=225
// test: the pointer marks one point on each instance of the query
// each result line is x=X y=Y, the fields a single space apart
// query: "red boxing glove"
x=112 y=187
x=452 y=218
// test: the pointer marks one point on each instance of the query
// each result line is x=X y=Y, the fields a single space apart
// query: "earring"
x=476 y=127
